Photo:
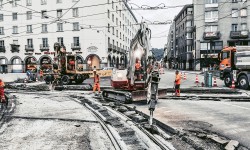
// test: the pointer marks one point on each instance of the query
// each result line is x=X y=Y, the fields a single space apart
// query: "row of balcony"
x=233 y=35
x=115 y=49
x=30 y=48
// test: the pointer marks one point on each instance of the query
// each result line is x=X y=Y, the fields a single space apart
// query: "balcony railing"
x=44 y=47
x=239 y=34
x=14 y=48
x=114 y=48
x=118 y=49
x=2 y=49
x=75 y=46
x=29 y=48
x=211 y=35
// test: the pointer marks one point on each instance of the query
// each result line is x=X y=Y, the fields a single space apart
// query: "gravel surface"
x=51 y=120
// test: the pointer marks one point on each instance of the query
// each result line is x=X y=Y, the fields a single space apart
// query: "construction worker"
x=138 y=69
x=96 y=83
x=177 y=83
x=72 y=64
x=41 y=74
x=2 y=97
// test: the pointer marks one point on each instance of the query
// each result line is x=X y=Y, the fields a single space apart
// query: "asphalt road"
x=229 y=119
x=51 y=121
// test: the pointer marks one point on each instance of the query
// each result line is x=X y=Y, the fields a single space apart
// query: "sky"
x=159 y=32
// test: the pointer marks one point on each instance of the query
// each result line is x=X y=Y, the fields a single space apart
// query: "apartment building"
x=99 y=32
x=184 y=38
x=169 y=48
x=219 y=23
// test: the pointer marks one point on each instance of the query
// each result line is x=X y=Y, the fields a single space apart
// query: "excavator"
x=131 y=85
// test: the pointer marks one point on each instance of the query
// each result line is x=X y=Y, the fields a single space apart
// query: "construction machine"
x=133 y=84
x=65 y=68
x=235 y=66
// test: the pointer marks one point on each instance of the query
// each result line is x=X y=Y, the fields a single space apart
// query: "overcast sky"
x=159 y=32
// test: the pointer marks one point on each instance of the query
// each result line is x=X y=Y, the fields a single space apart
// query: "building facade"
x=184 y=37
x=219 y=23
x=169 y=48
x=99 y=32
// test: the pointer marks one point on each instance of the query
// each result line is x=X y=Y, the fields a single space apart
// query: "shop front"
x=46 y=63
x=3 y=65
x=16 y=64
x=31 y=64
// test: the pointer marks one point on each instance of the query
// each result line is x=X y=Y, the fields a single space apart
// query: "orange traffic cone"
x=233 y=84
x=185 y=76
x=215 y=83
x=181 y=75
x=196 y=80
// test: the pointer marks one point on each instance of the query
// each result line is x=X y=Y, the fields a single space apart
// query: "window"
x=234 y=13
x=113 y=17
x=116 y=33
x=189 y=23
x=234 y=27
x=243 y=12
x=15 y=42
x=59 y=13
x=30 y=43
x=44 y=14
x=45 y=42
x=205 y=46
x=225 y=55
x=211 y=16
x=75 y=12
x=59 y=27
x=108 y=1
x=116 y=9
x=14 y=16
x=108 y=27
x=29 y=28
x=1 y=30
x=116 y=21
x=15 y=30
x=76 y=41
x=14 y=3
x=189 y=11
x=112 y=4
x=28 y=3
x=211 y=1
x=189 y=35
x=113 y=30
x=243 y=27
x=2 y=43
x=43 y=2
x=60 y=40
x=44 y=28
x=1 y=3
x=211 y=28
x=76 y=26
x=108 y=14
x=29 y=15
x=234 y=1
x=1 y=17
x=58 y=1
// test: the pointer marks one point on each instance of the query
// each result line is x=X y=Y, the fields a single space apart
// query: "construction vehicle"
x=235 y=66
x=132 y=85
x=65 y=68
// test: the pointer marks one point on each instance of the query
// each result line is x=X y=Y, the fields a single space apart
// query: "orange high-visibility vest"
x=96 y=79
x=2 y=84
x=178 y=79
x=72 y=62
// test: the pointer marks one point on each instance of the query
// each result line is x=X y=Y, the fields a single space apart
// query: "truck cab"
x=234 y=65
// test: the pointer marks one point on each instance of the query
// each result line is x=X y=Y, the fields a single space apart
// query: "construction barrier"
x=233 y=84
x=215 y=83
x=185 y=77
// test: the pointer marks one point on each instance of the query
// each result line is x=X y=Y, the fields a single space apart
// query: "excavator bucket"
x=141 y=95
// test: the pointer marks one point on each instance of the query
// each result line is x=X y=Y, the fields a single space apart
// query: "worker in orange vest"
x=72 y=64
x=177 y=83
x=138 y=69
x=2 y=97
x=96 y=83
